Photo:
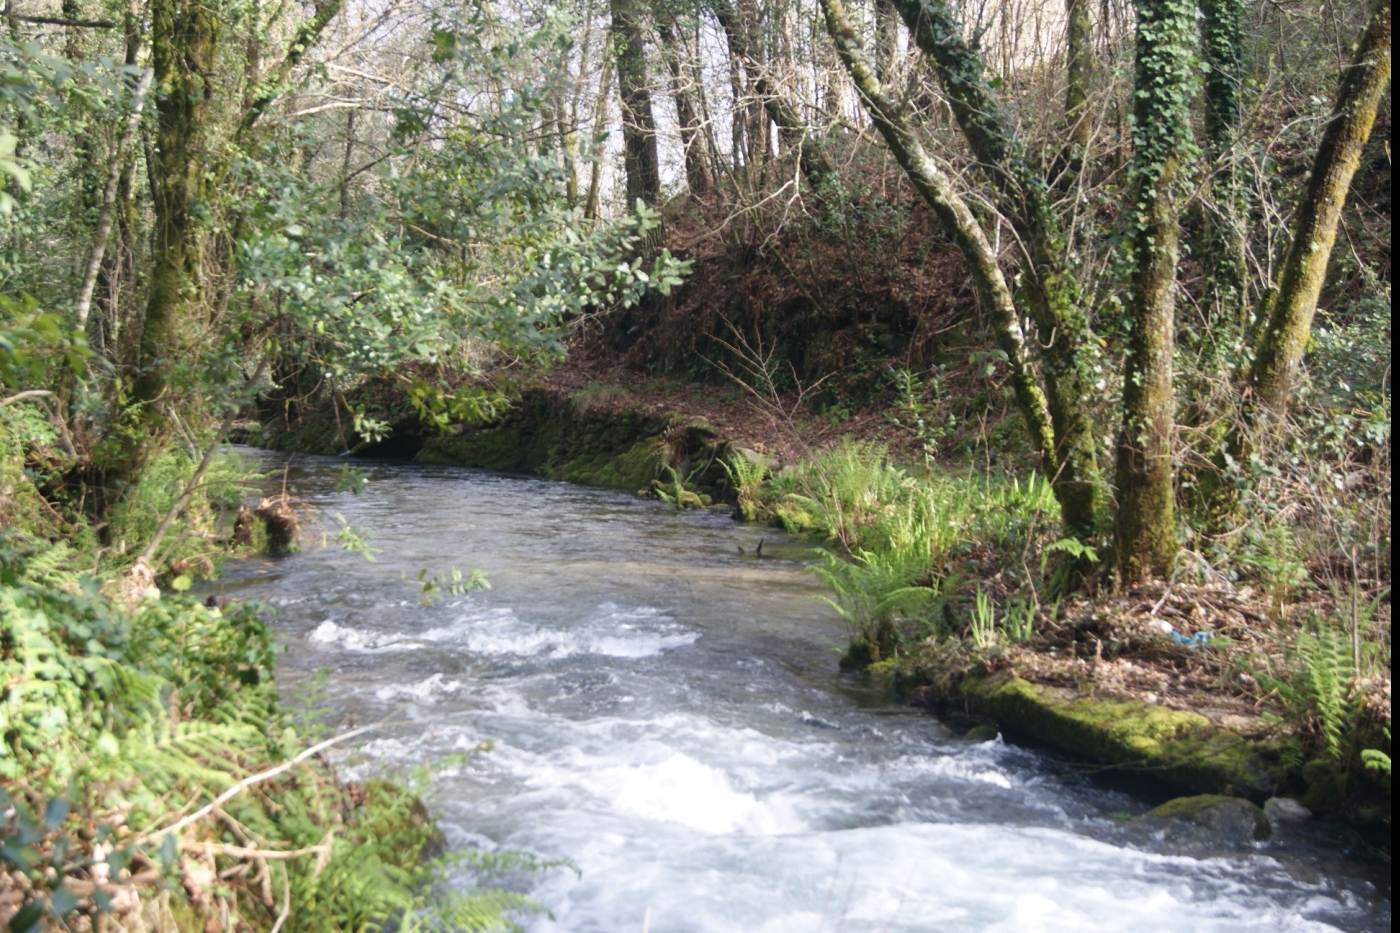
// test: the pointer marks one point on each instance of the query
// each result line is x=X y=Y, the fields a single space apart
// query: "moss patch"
x=1182 y=748
x=1212 y=819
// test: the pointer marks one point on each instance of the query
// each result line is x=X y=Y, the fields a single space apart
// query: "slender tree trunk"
x=119 y=266
x=109 y=200
x=683 y=85
x=600 y=134
x=1079 y=55
x=756 y=66
x=1055 y=304
x=345 y=158
x=1145 y=529
x=1223 y=253
x=886 y=40
x=640 y=158
x=1315 y=224
x=958 y=220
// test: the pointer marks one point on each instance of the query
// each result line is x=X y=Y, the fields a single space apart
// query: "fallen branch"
x=251 y=781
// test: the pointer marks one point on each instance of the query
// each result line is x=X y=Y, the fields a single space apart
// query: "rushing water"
x=664 y=710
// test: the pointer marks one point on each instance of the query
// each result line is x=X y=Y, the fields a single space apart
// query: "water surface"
x=663 y=708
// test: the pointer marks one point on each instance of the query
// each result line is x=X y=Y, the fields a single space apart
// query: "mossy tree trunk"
x=1068 y=357
x=1315 y=226
x=1283 y=321
x=1145 y=527
x=184 y=58
x=1079 y=68
x=937 y=190
x=1223 y=254
x=639 y=148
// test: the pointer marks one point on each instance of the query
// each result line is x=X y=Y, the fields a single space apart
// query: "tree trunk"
x=683 y=84
x=886 y=40
x=1145 y=529
x=756 y=131
x=937 y=190
x=184 y=56
x=600 y=134
x=1223 y=254
x=1315 y=226
x=1055 y=303
x=639 y=151
x=1079 y=54
x=792 y=130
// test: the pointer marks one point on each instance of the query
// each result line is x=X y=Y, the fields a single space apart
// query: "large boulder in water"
x=1208 y=821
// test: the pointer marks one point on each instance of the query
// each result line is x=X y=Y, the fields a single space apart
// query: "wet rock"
x=754 y=457
x=1181 y=747
x=981 y=733
x=1281 y=810
x=1208 y=821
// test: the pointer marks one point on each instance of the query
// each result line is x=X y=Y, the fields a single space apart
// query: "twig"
x=221 y=848
x=286 y=903
x=61 y=21
x=27 y=393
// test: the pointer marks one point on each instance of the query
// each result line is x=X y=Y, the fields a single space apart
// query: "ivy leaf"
x=56 y=812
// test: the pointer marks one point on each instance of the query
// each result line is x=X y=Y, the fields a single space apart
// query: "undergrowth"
x=150 y=777
x=145 y=752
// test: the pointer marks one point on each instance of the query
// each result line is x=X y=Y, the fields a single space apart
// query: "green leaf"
x=56 y=812
x=63 y=901
x=27 y=916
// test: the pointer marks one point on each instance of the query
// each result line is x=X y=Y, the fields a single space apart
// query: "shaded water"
x=665 y=711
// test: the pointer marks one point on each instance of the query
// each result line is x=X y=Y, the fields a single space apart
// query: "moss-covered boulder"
x=1208 y=820
x=1183 y=748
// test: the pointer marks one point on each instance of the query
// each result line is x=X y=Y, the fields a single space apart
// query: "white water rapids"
x=666 y=713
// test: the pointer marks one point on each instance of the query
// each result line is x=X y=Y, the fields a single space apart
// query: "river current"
x=663 y=708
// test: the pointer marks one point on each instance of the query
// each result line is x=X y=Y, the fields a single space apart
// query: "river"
x=663 y=708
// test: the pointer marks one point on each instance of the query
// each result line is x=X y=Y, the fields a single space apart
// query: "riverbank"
x=152 y=774
x=1205 y=683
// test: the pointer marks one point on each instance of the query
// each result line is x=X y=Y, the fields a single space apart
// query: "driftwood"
x=280 y=520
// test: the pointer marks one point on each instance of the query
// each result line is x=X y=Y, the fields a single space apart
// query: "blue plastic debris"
x=1192 y=641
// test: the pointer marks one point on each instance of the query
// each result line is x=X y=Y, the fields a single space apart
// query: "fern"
x=1326 y=669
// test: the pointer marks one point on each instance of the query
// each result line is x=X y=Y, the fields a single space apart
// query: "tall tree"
x=685 y=87
x=184 y=58
x=1223 y=253
x=934 y=185
x=1079 y=72
x=793 y=131
x=639 y=147
x=1304 y=268
x=1145 y=528
x=1055 y=303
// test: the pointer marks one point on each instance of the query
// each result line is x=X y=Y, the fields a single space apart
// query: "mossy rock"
x=985 y=732
x=635 y=468
x=1207 y=820
x=1182 y=748
x=797 y=515
x=493 y=448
